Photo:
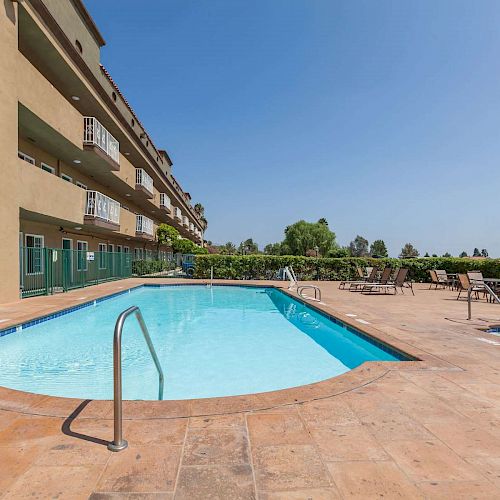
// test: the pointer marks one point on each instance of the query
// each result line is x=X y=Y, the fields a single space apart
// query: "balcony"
x=144 y=183
x=177 y=214
x=191 y=227
x=102 y=211
x=144 y=227
x=185 y=221
x=165 y=202
x=47 y=198
x=99 y=140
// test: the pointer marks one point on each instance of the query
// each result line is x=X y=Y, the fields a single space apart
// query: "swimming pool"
x=218 y=341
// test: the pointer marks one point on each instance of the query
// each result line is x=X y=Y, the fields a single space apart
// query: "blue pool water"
x=216 y=341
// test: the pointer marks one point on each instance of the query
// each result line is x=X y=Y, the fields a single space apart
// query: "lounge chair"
x=371 y=277
x=384 y=279
x=400 y=282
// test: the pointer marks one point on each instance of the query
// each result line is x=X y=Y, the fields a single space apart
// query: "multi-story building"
x=78 y=169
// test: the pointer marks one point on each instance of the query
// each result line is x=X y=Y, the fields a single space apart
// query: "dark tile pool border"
x=47 y=317
x=400 y=354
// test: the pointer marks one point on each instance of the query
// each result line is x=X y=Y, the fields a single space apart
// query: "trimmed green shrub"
x=332 y=269
x=142 y=267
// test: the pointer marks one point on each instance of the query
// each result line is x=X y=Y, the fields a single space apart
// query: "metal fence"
x=44 y=271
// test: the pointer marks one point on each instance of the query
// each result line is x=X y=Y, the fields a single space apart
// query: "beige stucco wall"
x=70 y=21
x=9 y=208
x=37 y=94
x=49 y=195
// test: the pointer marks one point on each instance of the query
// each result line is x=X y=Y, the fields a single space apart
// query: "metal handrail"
x=469 y=294
x=317 y=292
x=118 y=442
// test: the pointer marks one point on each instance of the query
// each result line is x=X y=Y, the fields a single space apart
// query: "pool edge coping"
x=56 y=406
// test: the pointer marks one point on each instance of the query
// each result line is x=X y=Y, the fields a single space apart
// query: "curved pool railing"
x=317 y=292
x=118 y=442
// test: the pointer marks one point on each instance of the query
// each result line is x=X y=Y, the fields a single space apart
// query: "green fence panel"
x=45 y=271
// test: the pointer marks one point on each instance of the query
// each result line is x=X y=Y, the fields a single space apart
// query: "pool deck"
x=419 y=429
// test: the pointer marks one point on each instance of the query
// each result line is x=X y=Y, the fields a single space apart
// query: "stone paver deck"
x=422 y=429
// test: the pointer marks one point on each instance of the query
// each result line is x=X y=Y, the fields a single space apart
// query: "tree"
x=463 y=254
x=378 y=249
x=339 y=252
x=426 y=254
x=484 y=252
x=447 y=254
x=199 y=209
x=359 y=247
x=183 y=245
x=228 y=249
x=248 y=247
x=166 y=235
x=303 y=236
x=323 y=221
x=476 y=253
x=408 y=251
x=273 y=249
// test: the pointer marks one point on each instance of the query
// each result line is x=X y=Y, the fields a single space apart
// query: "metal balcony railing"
x=164 y=201
x=95 y=133
x=144 y=225
x=142 y=178
x=178 y=213
x=102 y=207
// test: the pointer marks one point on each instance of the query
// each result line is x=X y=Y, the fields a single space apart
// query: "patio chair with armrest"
x=443 y=278
x=464 y=283
x=435 y=279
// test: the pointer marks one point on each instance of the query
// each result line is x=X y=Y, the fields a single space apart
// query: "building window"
x=79 y=46
x=34 y=253
x=47 y=168
x=81 y=185
x=113 y=95
x=132 y=122
x=126 y=250
x=138 y=253
x=67 y=178
x=26 y=157
x=82 y=247
x=102 y=255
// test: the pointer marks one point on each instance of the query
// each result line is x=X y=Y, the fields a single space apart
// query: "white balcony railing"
x=102 y=207
x=178 y=213
x=142 y=178
x=164 y=201
x=144 y=225
x=191 y=227
x=185 y=221
x=94 y=133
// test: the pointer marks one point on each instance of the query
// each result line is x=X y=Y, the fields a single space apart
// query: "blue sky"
x=383 y=117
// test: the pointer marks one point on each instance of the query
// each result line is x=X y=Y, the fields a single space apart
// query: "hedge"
x=142 y=267
x=332 y=269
